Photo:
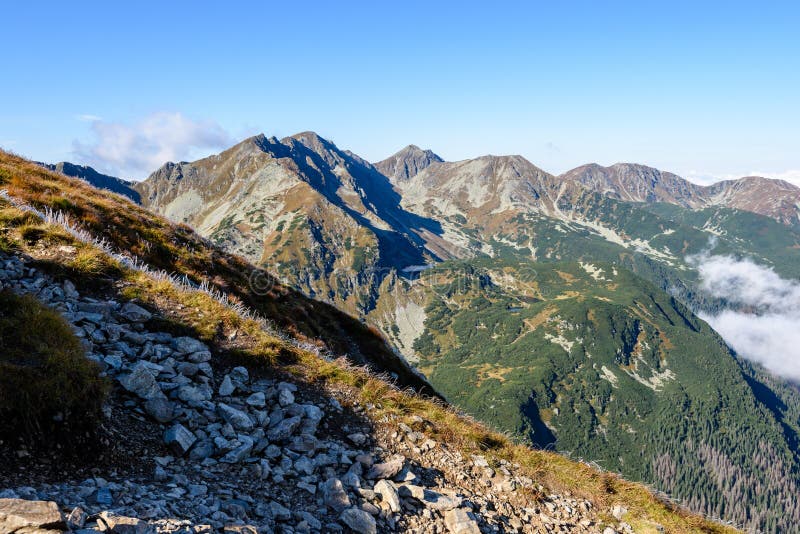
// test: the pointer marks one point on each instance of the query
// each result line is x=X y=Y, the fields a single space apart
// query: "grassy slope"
x=179 y=250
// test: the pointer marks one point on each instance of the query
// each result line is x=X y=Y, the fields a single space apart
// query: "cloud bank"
x=136 y=150
x=768 y=330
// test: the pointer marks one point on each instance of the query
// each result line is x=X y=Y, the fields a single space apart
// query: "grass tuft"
x=50 y=393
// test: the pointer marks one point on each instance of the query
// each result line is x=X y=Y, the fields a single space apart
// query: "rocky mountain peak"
x=637 y=183
x=407 y=163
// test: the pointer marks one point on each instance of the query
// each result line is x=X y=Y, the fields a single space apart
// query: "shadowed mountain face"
x=99 y=180
x=323 y=218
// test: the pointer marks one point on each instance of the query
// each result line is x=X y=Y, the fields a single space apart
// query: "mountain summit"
x=407 y=163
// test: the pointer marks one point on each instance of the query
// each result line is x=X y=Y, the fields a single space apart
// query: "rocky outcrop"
x=19 y=516
x=407 y=163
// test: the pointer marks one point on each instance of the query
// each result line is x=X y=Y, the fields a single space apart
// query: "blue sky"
x=705 y=89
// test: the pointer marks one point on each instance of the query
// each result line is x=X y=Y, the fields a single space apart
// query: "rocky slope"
x=242 y=448
x=776 y=199
x=215 y=424
x=638 y=183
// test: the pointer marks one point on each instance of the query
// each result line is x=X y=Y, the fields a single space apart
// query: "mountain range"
x=566 y=304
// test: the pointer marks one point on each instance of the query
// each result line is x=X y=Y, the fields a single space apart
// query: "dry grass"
x=50 y=393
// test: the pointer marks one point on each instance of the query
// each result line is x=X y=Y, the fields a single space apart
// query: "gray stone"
x=77 y=518
x=134 y=313
x=460 y=521
x=187 y=345
x=388 y=494
x=240 y=375
x=118 y=524
x=141 y=382
x=436 y=501
x=386 y=469
x=160 y=409
x=179 y=439
x=188 y=368
x=285 y=397
x=357 y=438
x=304 y=466
x=334 y=495
x=103 y=497
x=237 y=418
x=202 y=450
x=359 y=520
x=240 y=453
x=226 y=388
x=283 y=430
x=312 y=521
x=194 y=394
x=200 y=357
x=257 y=400
x=18 y=515
x=279 y=512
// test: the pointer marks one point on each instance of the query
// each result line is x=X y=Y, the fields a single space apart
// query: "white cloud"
x=765 y=327
x=135 y=150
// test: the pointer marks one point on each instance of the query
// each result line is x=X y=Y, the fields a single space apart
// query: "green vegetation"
x=599 y=363
x=50 y=393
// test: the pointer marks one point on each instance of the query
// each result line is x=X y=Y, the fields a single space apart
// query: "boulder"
x=187 y=345
x=30 y=516
x=134 y=313
x=386 y=469
x=160 y=409
x=359 y=520
x=179 y=439
x=237 y=418
x=388 y=494
x=460 y=521
x=334 y=495
x=141 y=382
x=283 y=430
x=119 y=524
x=227 y=388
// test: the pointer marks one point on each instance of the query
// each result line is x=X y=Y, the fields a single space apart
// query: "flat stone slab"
x=18 y=514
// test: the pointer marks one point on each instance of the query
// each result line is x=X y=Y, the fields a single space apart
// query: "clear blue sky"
x=710 y=88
